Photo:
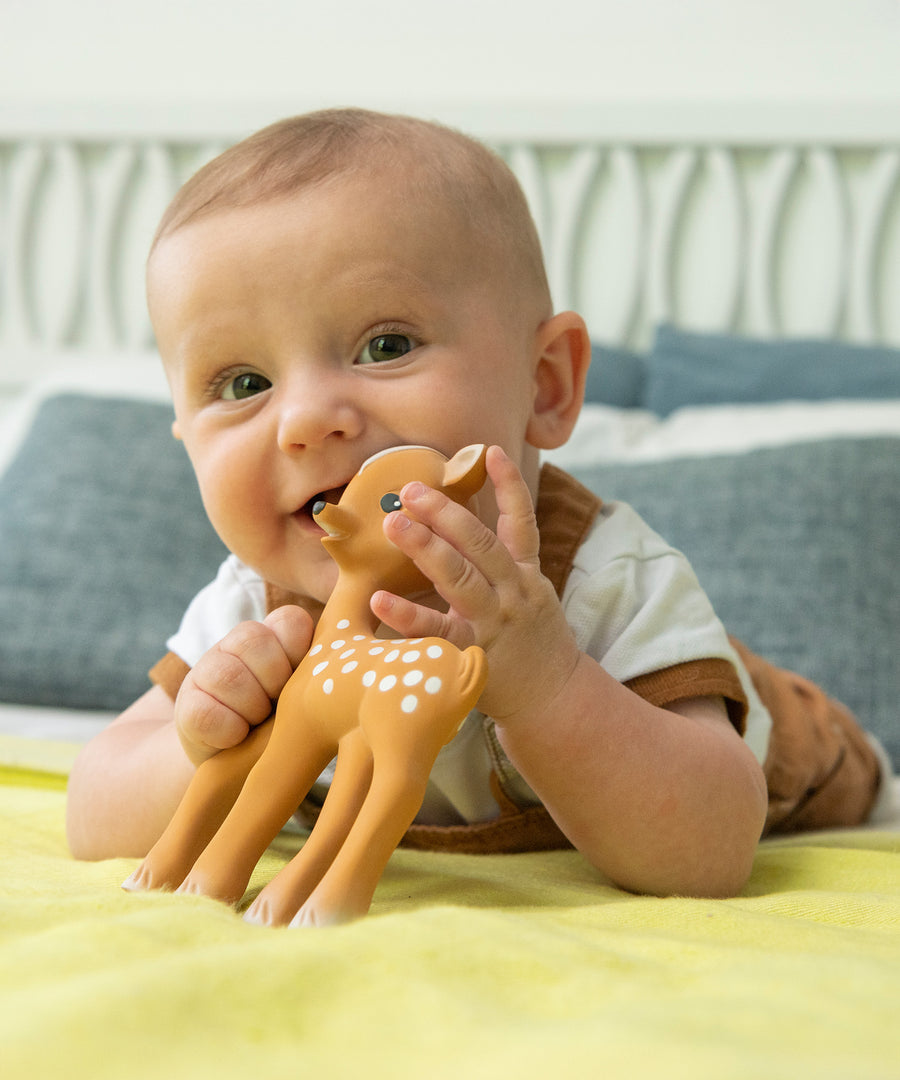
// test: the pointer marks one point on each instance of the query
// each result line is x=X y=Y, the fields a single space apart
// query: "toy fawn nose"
x=318 y=506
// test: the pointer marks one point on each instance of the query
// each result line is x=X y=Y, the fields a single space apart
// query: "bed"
x=740 y=272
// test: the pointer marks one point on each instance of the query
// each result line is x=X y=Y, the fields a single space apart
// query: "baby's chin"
x=312 y=588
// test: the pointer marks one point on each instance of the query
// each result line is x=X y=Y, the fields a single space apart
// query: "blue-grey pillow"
x=103 y=543
x=797 y=548
x=616 y=377
x=685 y=368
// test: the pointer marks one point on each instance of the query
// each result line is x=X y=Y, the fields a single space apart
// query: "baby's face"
x=302 y=336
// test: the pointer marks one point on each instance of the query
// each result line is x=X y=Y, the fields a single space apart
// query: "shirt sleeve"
x=634 y=604
x=234 y=596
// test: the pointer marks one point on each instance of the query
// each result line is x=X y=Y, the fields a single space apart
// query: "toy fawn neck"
x=347 y=610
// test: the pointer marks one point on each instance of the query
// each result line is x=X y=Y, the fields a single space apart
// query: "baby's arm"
x=661 y=800
x=127 y=782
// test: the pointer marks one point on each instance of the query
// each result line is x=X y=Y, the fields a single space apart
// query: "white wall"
x=410 y=53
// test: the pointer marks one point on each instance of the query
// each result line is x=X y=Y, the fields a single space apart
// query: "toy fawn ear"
x=465 y=472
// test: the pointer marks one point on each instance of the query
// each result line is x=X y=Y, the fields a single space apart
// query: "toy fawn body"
x=385 y=707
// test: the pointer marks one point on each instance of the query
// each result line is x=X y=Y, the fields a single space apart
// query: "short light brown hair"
x=311 y=149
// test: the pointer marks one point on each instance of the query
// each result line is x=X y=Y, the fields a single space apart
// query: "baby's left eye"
x=243 y=386
x=386 y=347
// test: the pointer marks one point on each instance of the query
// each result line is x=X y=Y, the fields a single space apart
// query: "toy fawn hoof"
x=193 y=885
x=321 y=915
x=307 y=918
x=140 y=881
x=255 y=918
x=132 y=883
x=198 y=883
x=262 y=913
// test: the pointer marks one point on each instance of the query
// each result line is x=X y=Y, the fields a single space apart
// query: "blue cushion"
x=616 y=377
x=103 y=543
x=686 y=368
x=797 y=548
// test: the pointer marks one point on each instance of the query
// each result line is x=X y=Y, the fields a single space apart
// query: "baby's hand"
x=498 y=598
x=232 y=687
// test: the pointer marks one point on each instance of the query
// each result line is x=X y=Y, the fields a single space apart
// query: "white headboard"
x=768 y=221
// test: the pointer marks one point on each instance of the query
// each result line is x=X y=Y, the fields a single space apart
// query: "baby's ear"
x=465 y=472
x=562 y=357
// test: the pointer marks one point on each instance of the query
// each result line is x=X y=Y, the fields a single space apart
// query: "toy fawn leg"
x=205 y=805
x=280 y=900
x=346 y=890
x=268 y=798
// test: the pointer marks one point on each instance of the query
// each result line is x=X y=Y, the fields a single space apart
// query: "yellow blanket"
x=467 y=966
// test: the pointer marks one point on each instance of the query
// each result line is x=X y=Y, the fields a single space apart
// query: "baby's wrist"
x=542 y=693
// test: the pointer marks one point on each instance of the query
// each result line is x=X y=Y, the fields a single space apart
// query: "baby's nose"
x=317 y=410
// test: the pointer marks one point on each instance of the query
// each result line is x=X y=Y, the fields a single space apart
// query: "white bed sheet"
x=57 y=724
x=605 y=435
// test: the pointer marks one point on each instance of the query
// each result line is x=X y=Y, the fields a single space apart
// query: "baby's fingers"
x=232 y=686
x=451 y=547
x=293 y=628
x=205 y=724
x=250 y=665
x=411 y=620
x=516 y=525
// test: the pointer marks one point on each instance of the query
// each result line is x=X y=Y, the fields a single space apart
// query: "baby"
x=347 y=281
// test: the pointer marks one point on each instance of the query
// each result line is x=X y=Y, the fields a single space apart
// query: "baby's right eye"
x=244 y=386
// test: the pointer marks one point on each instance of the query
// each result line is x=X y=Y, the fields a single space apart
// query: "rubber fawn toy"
x=384 y=707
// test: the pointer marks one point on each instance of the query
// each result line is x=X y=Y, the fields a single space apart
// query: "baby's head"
x=339 y=283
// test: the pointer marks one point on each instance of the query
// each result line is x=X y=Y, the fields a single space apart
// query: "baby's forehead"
x=353 y=221
x=448 y=229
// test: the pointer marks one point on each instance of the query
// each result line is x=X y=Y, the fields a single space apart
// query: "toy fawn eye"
x=390 y=502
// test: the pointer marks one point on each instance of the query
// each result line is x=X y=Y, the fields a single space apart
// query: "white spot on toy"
x=409 y=703
x=343 y=624
x=319 y=668
x=388 y=682
x=412 y=678
x=434 y=651
x=433 y=685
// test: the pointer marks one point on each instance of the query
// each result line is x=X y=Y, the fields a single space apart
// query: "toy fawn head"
x=356 y=539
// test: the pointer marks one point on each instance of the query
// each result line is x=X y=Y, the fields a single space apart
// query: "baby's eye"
x=386 y=347
x=244 y=385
